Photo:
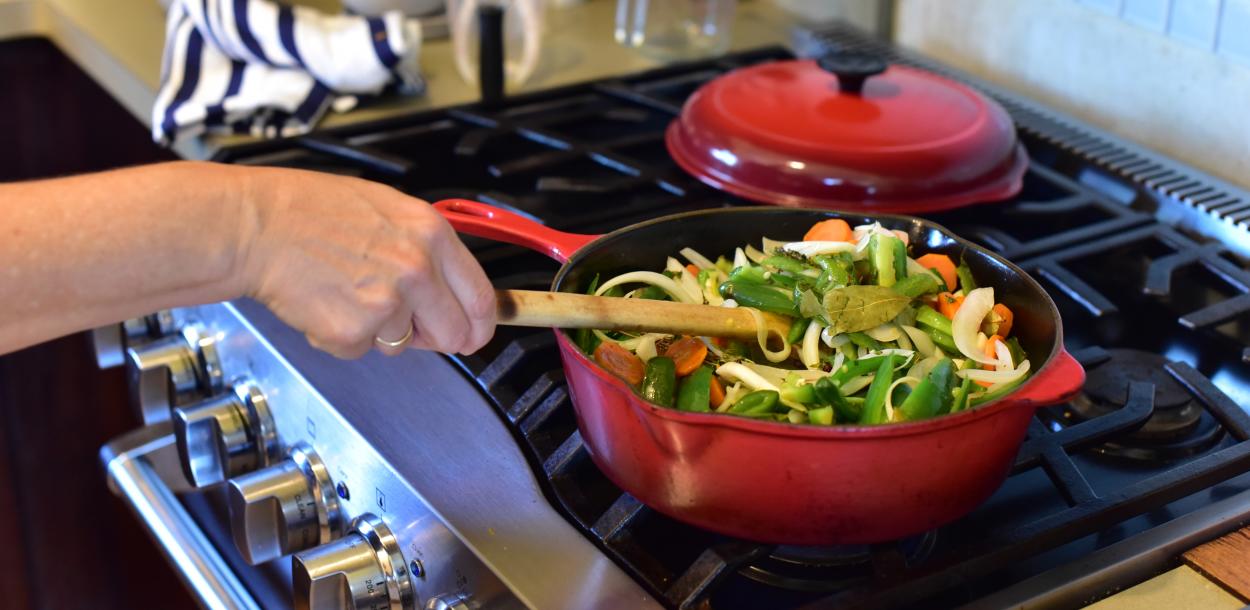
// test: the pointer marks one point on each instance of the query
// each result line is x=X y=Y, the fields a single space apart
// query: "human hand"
x=354 y=264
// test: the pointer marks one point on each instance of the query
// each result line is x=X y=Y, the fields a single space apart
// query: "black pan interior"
x=645 y=246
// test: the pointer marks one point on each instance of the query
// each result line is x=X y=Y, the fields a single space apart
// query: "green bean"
x=797 y=329
x=966 y=282
x=821 y=417
x=916 y=285
x=930 y=317
x=865 y=341
x=961 y=396
x=931 y=395
x=761 y=297
x=785 y=263
x=874 y=400
x=756 y=403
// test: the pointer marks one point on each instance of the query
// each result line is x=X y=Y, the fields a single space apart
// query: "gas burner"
x=1179 y=427
x=830 y=568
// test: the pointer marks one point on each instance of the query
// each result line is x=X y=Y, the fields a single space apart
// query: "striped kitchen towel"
x=267 y=69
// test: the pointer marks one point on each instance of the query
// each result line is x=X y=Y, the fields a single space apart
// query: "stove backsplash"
x=1164 y=77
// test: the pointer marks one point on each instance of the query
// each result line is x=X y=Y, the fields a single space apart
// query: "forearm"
x=85 y=251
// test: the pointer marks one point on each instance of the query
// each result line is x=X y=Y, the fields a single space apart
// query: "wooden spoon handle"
x=568 y=310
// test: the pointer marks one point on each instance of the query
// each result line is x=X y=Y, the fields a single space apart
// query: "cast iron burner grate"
x=591 y=158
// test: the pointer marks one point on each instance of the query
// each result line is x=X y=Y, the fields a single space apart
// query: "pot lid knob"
x=852 y=68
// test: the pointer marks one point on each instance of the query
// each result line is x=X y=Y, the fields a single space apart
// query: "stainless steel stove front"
x=429 y=500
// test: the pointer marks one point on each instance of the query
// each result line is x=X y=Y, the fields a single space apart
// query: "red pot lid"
x=848 y=132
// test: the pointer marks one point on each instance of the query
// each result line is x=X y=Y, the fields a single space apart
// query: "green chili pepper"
x=695 y=391
x=796 y=391
x=929 y=316
x=900 y=259
x=821 y=417
x=785 y=263
x=960 y=401
x=764 y=298
x=942 y=339
x=747 y=275
x=1017 y=352
x=756 y=403
x=854 y=369
x=865 y=341
x=659 y=380
x=966 y=282
x=882 y=250
x=932 y=395
x=918 y=284
x=827 y=392
x=835 y=270
x=874 y=400
x=797 y=329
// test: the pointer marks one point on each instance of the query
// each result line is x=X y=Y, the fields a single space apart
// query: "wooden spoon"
x=568 y=310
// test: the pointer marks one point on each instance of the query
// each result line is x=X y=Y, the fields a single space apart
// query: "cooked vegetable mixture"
x=877 y=336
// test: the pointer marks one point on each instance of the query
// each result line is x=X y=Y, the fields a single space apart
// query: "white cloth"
x=266 y=69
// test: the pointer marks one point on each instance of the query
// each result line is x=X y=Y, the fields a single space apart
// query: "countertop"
x=119 y=42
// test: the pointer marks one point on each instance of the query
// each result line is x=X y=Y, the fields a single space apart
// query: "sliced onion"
x=738 y=372
x=809 y=353
x=761 y=335
x=711 y=347
x=838 y=360
x=855 y=384
x=672 y=265
x=659 y=280
x=907 y=355
x=732 y=394
x=691 y=285
x=833 y=341
x=696 y=259
x=923 y=367
x=646 y=347
x=771 y=246
x=815 y=248
x=1004 y=357
x=914 y=268
x=967 y=323
x=885 y=333
x=778 y=376
x=711 y=295
x=903 y=341
x=740 y=258
x=729 y=303
x=754 y=255
x=995 y=377
x=809 y=305
x=797 y=417
x=924 y=344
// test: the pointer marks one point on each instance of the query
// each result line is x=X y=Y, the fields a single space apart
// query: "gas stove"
x=462 y=482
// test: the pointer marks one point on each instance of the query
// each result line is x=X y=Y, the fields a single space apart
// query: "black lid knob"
x=852 y=68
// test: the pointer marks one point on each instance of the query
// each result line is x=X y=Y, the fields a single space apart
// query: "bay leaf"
x=855 y=308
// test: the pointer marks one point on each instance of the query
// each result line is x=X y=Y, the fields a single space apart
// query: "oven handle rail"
x=138 y=468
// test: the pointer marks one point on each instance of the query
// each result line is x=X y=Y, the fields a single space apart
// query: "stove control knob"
x=287 y=507
x=110 y=342
x=448 y=602
x=171 y=371
x=363 y=570
x=225 y=435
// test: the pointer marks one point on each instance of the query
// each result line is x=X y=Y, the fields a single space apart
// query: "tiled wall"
x=1171 y=75
x=1222 y=26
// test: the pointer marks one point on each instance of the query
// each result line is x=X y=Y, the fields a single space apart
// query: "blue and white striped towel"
x=266 y=69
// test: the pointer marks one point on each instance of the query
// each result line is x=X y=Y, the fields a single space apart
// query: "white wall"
x=1178 y=98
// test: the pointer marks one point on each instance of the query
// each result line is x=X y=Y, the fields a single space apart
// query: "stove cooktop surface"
x=1158 y=315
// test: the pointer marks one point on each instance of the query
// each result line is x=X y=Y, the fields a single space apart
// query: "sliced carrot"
x=687 y=354
x=991 y=350
x=949 y=303
x=717 y=394
x=834 y=229
x=620 y=362
x=1004 y=318
x=944 y=266
x=693 y=270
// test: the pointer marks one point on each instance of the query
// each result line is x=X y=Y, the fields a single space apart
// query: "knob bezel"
x=395 y=567
x=329 y=521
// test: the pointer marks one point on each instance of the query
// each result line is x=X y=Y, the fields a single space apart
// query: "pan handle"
x=482 y=220
x=1054 y=384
